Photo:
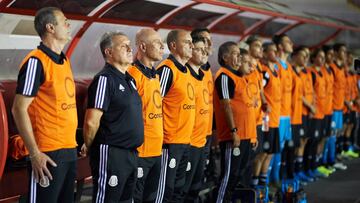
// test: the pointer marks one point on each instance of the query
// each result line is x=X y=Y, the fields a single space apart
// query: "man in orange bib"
x=210 y=165
x=149 y=50
x=195 y=171
x=178 y=92
x=45 y=111
x=235 y=116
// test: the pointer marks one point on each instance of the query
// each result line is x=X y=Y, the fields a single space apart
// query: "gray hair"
x=223 y=50
x=106 y=40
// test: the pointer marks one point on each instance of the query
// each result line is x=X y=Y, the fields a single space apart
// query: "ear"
x=280 y=47
x=50 y=28
x=142 y=47
x=108 y=52
x=225 y=57
x=173 y=45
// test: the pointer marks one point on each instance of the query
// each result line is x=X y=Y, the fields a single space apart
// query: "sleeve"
x=313 y=77
x=266 y=79
x=99 y=93
x=166 y=79
x=31 y=77
x=225 y=86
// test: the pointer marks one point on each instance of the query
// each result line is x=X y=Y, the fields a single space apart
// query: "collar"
x=275 y=72
x=148 y=72
x=115 y=71
x=59 y=59
x=328 y=69
x=294 y=69
x=206 y=66
x=199 y=76
x=283 y=64
x=232 y=70
x=177 y=64
x=276 y=67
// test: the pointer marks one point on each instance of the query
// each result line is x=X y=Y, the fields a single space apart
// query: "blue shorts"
x=337 y=120
x=285 y=129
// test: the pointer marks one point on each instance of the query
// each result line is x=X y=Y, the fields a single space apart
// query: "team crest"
x=316 y=133
x=113 y=181
x=44 y=182
x=236 y=151
x=140 y=172
x=172 y=163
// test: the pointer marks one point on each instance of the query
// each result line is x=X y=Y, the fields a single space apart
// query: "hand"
x=256 y=103
x=255 y=145
x=84 y=151
x=313 y=109
x=236 y=139
x=39 y=166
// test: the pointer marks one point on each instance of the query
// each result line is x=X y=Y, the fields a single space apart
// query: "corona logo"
x=252 y=90
x=190 y=91
x=157 y=99
x=206 y=96
x=69 y=87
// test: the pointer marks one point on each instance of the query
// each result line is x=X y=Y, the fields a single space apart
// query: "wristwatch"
x=234 y=130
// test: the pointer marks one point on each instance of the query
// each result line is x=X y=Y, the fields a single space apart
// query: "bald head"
x=145 y=35
x=149 y=45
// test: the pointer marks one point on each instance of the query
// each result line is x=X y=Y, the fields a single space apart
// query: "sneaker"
x=311 y=174
x=351 y=153
x=303 y=177
x=331 y=169
x=319 y=174
x=345 y=155
x=323 y=170
x=340 y=166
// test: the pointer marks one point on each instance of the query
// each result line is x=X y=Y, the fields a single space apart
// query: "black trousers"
x=61 y=188
x=172 y=175
x=194 y=174
x=147 y=179
x=233 y=163
x=114 y=172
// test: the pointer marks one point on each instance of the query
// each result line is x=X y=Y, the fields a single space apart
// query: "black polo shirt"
x=115 y=93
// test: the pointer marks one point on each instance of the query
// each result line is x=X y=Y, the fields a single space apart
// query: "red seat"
x=8 y=88
x=4 y=138
x=81 y=95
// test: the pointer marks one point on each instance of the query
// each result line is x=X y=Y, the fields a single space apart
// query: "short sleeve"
x=225 y=86
x=313 y=77
x=166 y=79
x=265 y=78
x=30 y=78
x=99 y=93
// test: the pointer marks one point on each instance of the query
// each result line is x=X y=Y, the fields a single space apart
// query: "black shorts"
x=271 y=144
x=260 y=139
x=346 y=117
x=297 y=133
x=353 y=117
x=327 y=126
x=305 y=126
x=316 y=128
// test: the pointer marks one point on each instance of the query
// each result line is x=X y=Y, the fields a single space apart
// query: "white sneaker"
x=340 y=166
